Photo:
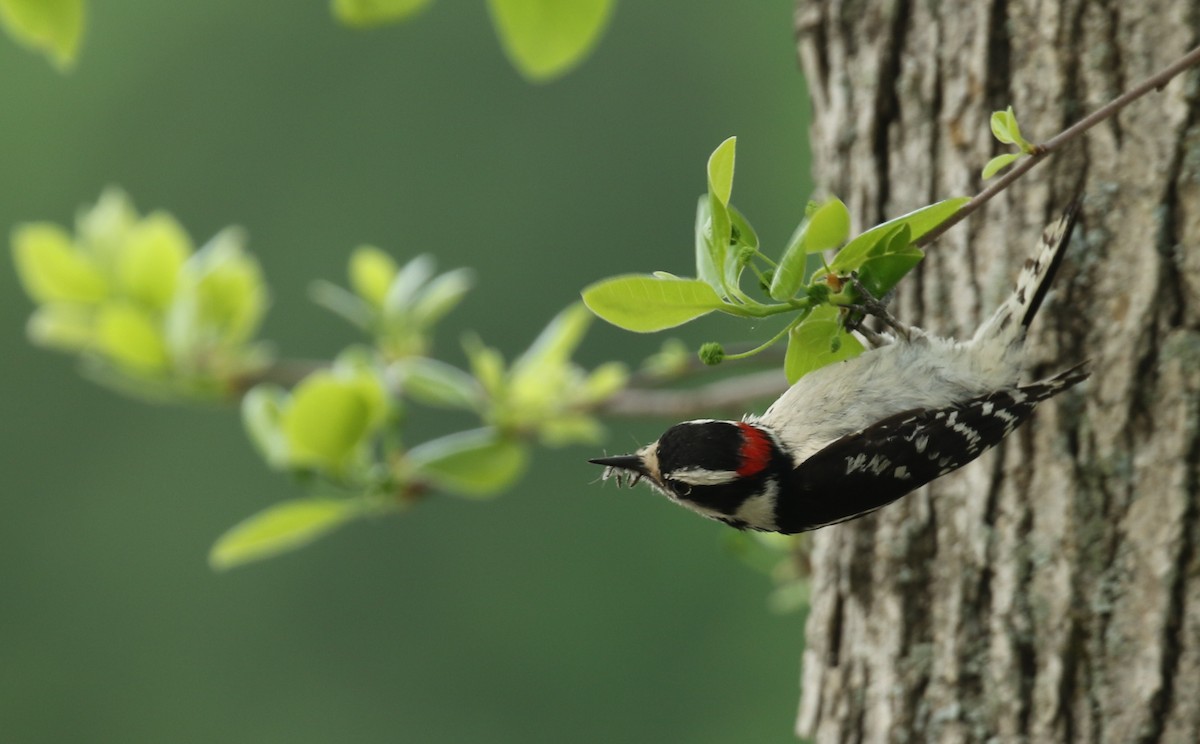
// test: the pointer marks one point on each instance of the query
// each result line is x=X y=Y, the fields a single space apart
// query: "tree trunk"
x=1051 y=590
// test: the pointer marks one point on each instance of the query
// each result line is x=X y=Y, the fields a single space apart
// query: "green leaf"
x=403 y=292
x=558 y=340
x=669 y=361
x=326 y=419
x=227 y=288
x=58 y=326
x=812 y=343
x=128 y=336
x=103 y=228
x=262 y=413
x=720 y=171
x=52 y=269
x=742 y=229
x=54 y=27
x=371 y=13
x=571 y=429
x=486 y=364
x=641 y=303
x=545 y=39
x=708 y=265
x=441 y=295
x=790 y=272
x=149 y=263
x=280 y=528
x=825 y=228
x=475 y=463
x=604 y=381
x=1014 y=128
x=1000 y=127
x=919 y=222
x=436 y=383
x=341 y=302
x=1006 y=129
x=356 y=367
x=371 y=273
x=997 y=163
x=828 y=227
x=893 y=241
x=879 y=274
x=715 y=262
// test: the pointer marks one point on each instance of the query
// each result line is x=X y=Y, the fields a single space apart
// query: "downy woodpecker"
x=854 y=436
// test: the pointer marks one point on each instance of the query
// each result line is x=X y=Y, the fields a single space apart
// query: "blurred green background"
x=562 y=611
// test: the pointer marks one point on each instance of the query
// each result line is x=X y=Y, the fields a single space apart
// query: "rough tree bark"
x=1051 y=590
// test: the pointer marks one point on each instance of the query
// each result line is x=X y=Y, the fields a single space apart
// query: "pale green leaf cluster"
x=343 y=424
x=543 y=393
x=670 y=361
x=328 y=423
x=472 y=463
x=814 y=295
x=397 y=305
x=153 y=315
x=52 y=27
x=1006 y=129
x=146 y=310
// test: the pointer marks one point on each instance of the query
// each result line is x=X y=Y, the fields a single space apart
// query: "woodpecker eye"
x=679 y=488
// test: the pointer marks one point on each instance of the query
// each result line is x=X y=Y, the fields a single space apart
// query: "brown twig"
x=730 y=394
x=1155 y=82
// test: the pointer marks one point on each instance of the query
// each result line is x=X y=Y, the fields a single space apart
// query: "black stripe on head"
x=700 y=445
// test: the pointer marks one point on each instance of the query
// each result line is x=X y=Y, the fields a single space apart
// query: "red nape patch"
x=755 y=452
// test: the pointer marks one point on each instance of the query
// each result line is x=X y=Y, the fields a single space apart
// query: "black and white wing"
x=873 y=467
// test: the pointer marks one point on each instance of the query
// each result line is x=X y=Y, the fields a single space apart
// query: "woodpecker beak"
x=623 y=462
x=626 y=469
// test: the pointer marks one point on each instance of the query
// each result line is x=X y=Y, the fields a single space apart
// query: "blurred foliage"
x=148 y=313
x=544 y=39
x=53 y=27
x=154 y=318
x=517 y=619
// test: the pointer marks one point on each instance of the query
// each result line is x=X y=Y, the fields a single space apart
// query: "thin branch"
x=1155 y=82
x=730 y=394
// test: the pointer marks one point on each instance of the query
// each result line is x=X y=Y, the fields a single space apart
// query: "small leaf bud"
x=712 y=353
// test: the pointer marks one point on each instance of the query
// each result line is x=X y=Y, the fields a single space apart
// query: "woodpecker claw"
x=871 y=306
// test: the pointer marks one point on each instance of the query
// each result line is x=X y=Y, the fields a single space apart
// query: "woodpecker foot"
x=871 y=306
x=853 y=321
x=874 y=340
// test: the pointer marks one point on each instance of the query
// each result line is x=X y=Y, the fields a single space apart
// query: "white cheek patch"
x=758 y=511
x=702 y=477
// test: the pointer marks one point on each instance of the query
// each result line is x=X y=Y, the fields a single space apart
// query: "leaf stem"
x=759 y=310
x=770 y=342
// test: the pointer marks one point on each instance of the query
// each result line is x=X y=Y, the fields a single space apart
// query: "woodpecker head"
x=731 y=471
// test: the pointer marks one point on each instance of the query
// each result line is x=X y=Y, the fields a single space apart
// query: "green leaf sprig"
x=1006 y=129
x=146 y=311
x=801 y=286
